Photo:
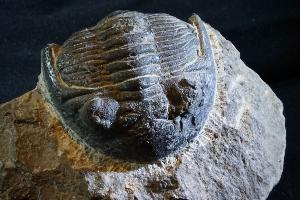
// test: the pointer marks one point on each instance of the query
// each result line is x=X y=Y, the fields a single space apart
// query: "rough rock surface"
x=239 y=155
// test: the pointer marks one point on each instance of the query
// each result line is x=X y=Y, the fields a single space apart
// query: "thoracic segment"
x=129 y=52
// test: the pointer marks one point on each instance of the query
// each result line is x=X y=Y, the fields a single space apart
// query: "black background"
x=265 y=32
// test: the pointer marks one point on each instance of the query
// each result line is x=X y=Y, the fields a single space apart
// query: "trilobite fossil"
x=135 y=86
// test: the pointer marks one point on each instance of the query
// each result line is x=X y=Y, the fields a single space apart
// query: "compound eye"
x=100 y=112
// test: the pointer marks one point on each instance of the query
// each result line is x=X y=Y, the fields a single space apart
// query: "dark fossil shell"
x=135 y=86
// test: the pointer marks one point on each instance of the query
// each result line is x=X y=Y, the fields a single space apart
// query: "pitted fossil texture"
x=135 y=85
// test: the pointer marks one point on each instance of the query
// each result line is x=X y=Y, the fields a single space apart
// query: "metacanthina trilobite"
x=135 y=86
